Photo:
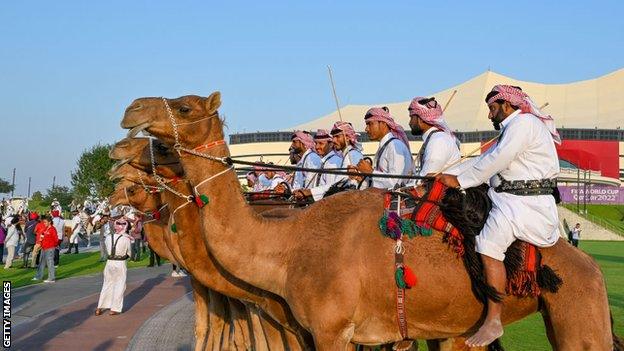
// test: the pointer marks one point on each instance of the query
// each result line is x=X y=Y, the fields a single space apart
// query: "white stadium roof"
x=593 y=103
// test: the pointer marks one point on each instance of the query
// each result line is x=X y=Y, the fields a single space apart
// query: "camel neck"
x=234 y=233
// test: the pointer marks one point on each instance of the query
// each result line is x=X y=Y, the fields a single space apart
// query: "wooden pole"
x=29 y=179
x=13 y=184
x=449 y=100
x=331 y=79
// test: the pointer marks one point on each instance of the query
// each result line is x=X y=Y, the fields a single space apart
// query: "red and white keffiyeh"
x=517 y=97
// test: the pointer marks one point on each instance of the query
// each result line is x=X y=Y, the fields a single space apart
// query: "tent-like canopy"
x=594 y=103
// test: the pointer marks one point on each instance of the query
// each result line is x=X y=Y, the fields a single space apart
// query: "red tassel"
x=175 y=180
x=409 y=277
x=156 y=215
x=198 y=201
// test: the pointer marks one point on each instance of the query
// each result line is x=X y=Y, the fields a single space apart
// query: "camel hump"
x=213 y=102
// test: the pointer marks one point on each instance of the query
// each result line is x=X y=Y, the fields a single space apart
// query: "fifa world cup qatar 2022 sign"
x=595 y=194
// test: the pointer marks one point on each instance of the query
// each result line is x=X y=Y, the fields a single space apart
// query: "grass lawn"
x=71 y=265
x=612 y=214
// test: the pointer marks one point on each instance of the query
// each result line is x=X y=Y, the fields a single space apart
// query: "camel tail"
x=618 y=343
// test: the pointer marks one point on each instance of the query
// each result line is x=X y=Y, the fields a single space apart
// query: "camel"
x=163 y=159
x=337 y=275
x=199 y=262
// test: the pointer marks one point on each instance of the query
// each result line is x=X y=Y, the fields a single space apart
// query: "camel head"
x=118 y=197
x=136 y=152
x=129 y=193
x=194 y=118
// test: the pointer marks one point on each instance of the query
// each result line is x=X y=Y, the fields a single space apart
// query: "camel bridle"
x=179 y=148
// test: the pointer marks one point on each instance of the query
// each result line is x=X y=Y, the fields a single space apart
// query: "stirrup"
x=403 y=345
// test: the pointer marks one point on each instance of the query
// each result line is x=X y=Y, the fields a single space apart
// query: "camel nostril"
x=134 y=107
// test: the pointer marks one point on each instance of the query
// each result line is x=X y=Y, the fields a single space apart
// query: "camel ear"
x=213 y=102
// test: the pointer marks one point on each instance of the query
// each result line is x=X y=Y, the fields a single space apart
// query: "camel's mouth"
x=114 y=174
x=137 y=129
x=118 y=164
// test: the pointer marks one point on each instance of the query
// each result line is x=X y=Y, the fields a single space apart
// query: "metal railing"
x=601 y=222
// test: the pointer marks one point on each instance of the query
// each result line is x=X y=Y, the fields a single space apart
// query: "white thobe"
x=114 y=284
x=394 y=159
x=323 y=181
x=59 y=225
x=261 y=183
x=526 y=151
x=78 y=225
x=275 y=181
x=302 y=179
x=441 y=151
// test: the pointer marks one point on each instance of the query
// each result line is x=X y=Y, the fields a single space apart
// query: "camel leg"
x=581 y=298
x=241 y=336
x=257 y=331
x=292 y=341
x=216 y=317
x=200 y=296
x=266 y=334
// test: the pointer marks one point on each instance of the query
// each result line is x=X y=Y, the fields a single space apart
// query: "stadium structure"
x=589 y=115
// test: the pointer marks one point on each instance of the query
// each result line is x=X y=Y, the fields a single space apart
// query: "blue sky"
x=68 y=69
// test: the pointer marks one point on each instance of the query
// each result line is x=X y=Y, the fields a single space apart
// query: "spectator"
x=114 y=285
x=48 y=242
x=11 y=239
x=135 y=233
x=77 y=229
x=576 y=234
x=105 y=230
x=59 y=225
x=2 y=236
x=31 y=237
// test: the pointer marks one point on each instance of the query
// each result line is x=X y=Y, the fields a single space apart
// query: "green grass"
x=71 y=265
x=529 y=334
x=612 y=214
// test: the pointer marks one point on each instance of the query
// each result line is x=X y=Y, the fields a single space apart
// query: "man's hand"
x=365 y=166
x=448 y=180
x=353 y=169
x=301 y=194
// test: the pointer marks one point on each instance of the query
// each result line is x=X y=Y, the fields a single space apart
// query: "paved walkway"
x=60 y=316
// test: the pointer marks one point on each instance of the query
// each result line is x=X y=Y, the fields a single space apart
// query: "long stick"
x=449 y=100
x=475 y=150
x=331 y=79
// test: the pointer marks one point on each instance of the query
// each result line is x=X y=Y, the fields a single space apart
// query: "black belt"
x=527 y=187
x=118 y=258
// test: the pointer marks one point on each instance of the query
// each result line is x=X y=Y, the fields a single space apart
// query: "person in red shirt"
x=37 y=248
x=47 y=239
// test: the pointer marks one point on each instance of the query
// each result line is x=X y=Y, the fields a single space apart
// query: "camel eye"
x=184 y=109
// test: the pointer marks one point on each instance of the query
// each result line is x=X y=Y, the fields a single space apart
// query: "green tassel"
x=383 y=225
x=409 y=228
x=398 y=277
x=204 y=199
x=426 y=231
x=174 y=228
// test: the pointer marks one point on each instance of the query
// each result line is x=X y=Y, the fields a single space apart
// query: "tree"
x=5 y=186
x=61 y=193
x=90 y=179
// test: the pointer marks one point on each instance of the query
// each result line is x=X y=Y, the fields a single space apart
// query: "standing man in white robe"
x=525 y=153
x=303 y=145
x=329 y=160
x=440 y=148
x=118 y=247
x=392 y=157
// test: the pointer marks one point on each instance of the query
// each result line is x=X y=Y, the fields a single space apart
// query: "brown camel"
x=225 y=313
x=336 y=274
x=198 y=261
x=124 y=150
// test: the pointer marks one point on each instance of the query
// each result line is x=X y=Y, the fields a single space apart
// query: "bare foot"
x=489 y=331
x=98 y=311
x=114 y=313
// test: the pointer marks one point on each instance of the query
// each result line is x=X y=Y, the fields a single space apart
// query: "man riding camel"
x=440 y=148
x=525 y=155
x=324 y=147
x=393 y=155
x=303 y=145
